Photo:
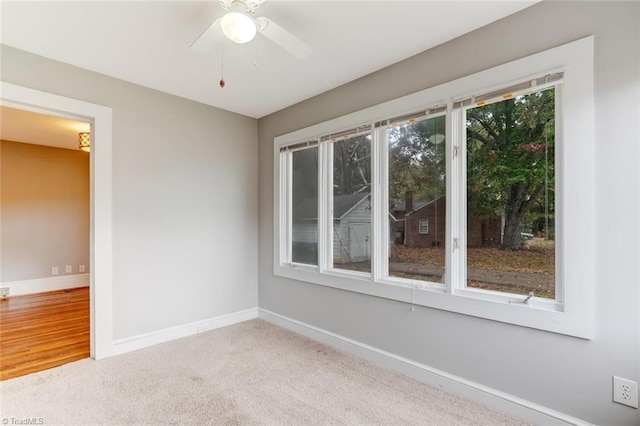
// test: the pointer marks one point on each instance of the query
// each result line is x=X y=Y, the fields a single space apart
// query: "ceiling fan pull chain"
x=222 y=82
x=255 y=61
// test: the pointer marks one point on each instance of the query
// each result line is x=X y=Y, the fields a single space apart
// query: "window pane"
x=304 y=206
x=510 y=195
x=417 y=189
x=352 y=203
x=423 y=226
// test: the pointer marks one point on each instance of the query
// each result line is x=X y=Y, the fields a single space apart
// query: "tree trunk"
x=513 y=216
x=518 y=204
x=512 y=239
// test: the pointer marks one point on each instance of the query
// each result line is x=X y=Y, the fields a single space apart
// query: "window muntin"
x=510 y=187
x=417 y=192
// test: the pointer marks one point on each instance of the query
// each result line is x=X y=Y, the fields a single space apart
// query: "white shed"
x=351 y=227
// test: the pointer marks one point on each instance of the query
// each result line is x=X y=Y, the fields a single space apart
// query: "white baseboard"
x=41 y=285
x=492 y=398
x=140 y=341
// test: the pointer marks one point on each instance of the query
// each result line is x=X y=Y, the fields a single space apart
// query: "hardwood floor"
x=42 y=331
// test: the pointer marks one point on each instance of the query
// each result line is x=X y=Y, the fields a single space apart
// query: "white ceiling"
x=146 y=42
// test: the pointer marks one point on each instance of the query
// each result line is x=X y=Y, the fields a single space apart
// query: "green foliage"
x=510 y=159
x=417 y=161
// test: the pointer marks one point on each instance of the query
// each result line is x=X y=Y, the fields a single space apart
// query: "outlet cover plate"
x=625 y=392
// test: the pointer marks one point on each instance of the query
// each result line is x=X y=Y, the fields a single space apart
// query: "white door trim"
x=101 y=270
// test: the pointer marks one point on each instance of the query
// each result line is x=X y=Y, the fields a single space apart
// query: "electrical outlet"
x=4 y=291
x=54 y=270
x=81 y=268
x=625 y=392
x=68 y=269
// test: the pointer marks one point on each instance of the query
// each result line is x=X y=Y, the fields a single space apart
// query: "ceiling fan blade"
x=284 y=38
x=208 y=39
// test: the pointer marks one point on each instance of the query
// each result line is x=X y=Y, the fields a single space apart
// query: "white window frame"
x=571 y=313
x=327 y=264
x=420 y=230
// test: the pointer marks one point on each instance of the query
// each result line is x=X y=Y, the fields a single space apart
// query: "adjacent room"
x=45 y=209
x=309 y=212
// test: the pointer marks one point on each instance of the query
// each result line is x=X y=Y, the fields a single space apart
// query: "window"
x=457 y=200
x=416 y=192
x=304 y=206
x=423 y=226
x=510 y=144
x=351 y=200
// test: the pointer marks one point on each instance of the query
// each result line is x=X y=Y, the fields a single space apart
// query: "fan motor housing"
x=247 y=6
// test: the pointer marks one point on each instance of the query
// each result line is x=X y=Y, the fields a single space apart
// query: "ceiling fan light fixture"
x=238 y=27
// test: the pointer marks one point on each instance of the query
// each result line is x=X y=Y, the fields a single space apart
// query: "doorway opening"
x=45 y=216
x=100 y=176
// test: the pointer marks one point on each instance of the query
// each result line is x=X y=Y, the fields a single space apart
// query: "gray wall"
x=44 y=202
x=184 y=197
x=564 y=373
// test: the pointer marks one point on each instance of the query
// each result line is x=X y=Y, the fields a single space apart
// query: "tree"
x=417 y=161
x=510 y=167
x=352 y=165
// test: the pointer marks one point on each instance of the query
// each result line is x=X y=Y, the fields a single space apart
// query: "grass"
x=540 y=244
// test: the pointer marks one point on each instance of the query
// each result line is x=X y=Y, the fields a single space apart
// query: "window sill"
x=542 y=314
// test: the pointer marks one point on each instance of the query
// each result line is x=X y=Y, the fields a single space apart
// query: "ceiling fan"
x=241 y=26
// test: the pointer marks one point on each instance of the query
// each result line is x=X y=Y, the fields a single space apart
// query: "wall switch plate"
x=81 y=268
x=625 y=392
x=68 y=269
x=54 y=270
x=4 y=291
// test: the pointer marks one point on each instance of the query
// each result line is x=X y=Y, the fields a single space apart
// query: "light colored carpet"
x=245 y=374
